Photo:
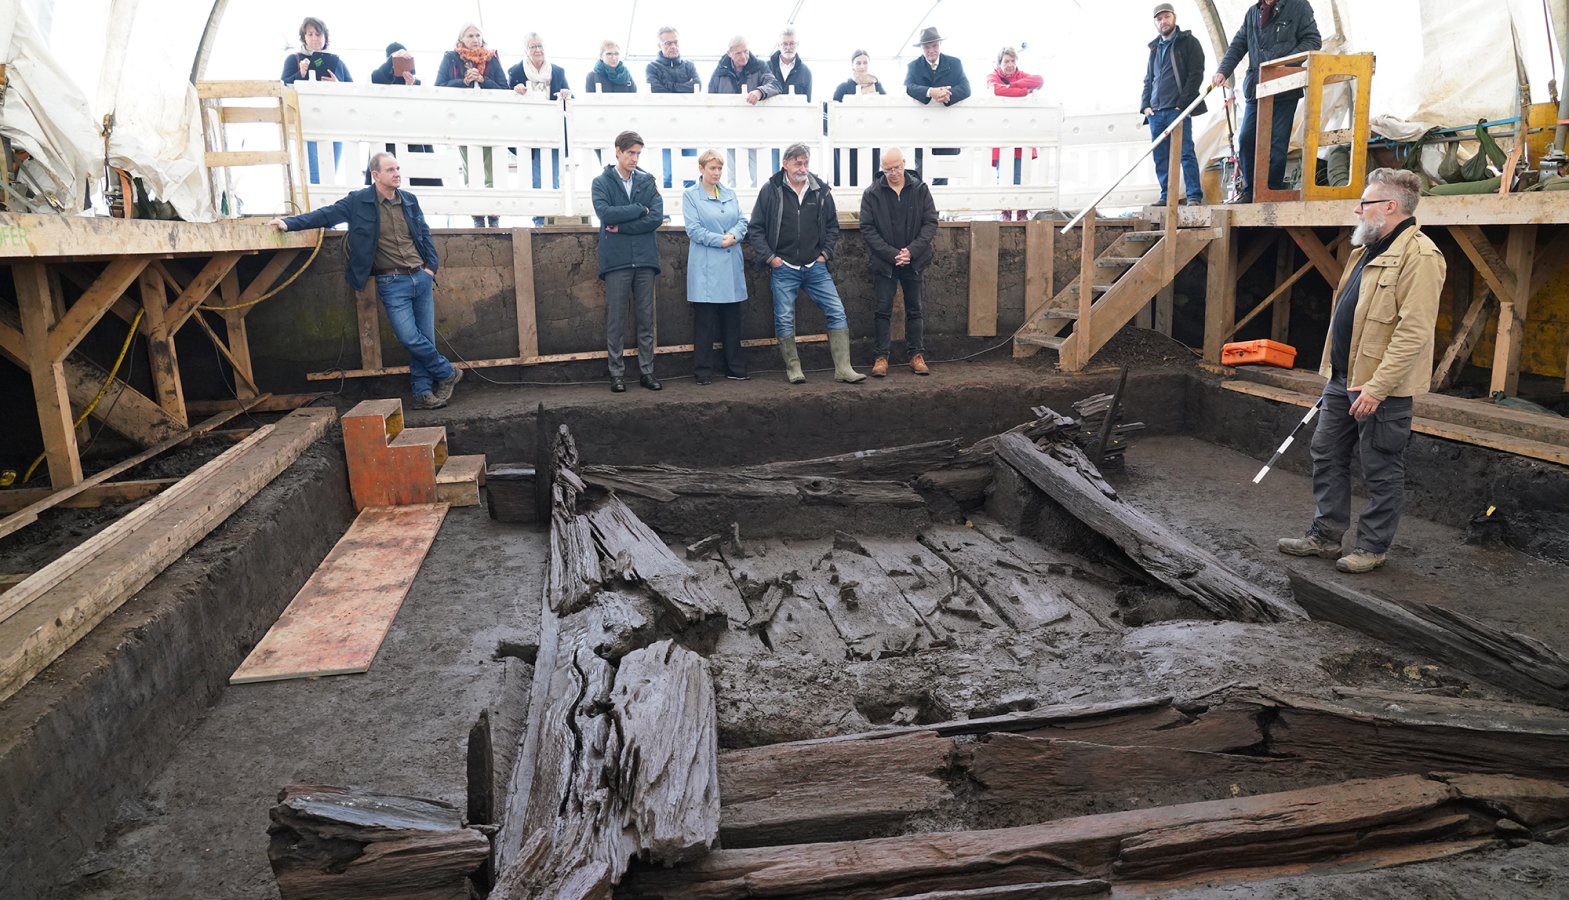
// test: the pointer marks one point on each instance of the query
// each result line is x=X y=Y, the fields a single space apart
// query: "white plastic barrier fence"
x=1062 y=163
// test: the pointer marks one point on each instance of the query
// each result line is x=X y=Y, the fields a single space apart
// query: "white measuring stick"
x=1312 y=411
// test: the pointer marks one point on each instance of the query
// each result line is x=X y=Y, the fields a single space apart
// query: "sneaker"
x=443 y=389
x=880 y=368
x=1359 y=561
x=428 y=400
x=1310 y=546
x=739 y=377
x=918 y=365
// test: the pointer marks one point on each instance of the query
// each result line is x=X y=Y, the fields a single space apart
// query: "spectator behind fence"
x=537 y=76
x=898 y=222
x=392 y=72
x=861 y=80
x=669 y=73
x=610 y=74
x=1007 y=80
x=934 y=75
x=739 y=72
x=315 y=63
x=473 y=65
x=787 y=67
x=630 y=209
x=388 y=239
x=1173 y=78
x=715 y=269
x=794 y=230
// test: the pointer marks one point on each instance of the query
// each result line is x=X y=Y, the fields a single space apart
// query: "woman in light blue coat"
x=715 y=272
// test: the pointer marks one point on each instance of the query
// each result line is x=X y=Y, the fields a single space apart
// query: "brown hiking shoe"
x=1360 y=561
x=880 y=368
x=918 y=365
x=1312 y=545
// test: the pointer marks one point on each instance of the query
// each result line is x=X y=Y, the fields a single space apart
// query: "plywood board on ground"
x=337 y=621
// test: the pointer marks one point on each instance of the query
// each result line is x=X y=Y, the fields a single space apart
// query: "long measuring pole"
x=1142 y=156
x=1313 y=410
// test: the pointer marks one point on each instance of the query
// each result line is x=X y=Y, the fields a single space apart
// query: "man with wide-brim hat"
x=934 y=75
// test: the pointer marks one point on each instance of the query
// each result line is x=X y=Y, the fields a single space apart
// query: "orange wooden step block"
x=336 y=623
x=390 y=465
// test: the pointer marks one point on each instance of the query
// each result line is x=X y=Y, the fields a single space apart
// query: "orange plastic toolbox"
x=1270 y=353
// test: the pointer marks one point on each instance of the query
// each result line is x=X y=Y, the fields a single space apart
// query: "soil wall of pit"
x=93 y=729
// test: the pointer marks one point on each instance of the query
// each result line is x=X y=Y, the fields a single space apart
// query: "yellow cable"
x=320 y=234
x=124 y=348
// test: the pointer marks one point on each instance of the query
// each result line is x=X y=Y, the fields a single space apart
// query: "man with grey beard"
x=1378 y=356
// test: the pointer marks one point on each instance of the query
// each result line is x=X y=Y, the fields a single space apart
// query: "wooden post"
x=1163 y=308
x=984 y=238
x=1285 y=261
x=239 y=342
x=369 y=326
x=160 y=347
x=1040 y=252
x=1220 y=290
x=1083 y=346
x=49 y=389
x=523 y=292
x=1462 y=280
x=1173 y=194
x=1520 y=259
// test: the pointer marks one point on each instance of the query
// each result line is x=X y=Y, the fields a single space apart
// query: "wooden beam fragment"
x=1186 y=569
x=1220 y=288
x=1468 y=331
x=618 y=531
x=1285 y=257
x=1499 y=277
x=1322 y=258
x=365 y=306
x=1040 y=261
x=1510 y=341
x=161 y=357
x=50 y=395
x=523 y=292
x=984 y=240
x=91 y=306
x=1083 y=348
x=13 y=500
x=196 y=292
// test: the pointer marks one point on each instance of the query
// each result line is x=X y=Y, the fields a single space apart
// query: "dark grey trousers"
x=884 y=287
x=1381 y=441
x=635 y=284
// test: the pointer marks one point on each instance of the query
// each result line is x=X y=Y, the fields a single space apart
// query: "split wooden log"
x=1070 y=479
x=666 y=483
x=631 y=771
x=331 y=843
x=638 y=555
x=890 y=464
x=1321 y=824
x=1512 y=661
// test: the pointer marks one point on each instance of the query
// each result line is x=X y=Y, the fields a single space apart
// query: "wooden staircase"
x=390 y=465
x=1124 y=279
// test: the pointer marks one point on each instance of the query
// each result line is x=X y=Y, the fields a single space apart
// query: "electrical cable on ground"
x=104 y=389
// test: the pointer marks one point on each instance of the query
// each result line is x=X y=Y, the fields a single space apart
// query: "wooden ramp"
x=337 y=621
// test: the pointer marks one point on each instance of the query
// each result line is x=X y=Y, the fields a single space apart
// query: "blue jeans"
x=688 y=182
x=819 y=287
x=411 y=307
x=310 y=157
x=1282 y=118
x=1160 y=119
x=555 y=167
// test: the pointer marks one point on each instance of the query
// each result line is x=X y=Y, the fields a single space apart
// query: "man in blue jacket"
x=934 y=75
x=1270 y=29
x=388 y=238
x=1173 y=78
x=630 y=209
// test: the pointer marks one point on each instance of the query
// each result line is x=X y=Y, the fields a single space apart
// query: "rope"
x=124 y=348
x=320 y=235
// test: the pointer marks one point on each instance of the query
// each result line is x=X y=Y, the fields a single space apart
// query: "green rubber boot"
x=839 y=346
x=792 y=359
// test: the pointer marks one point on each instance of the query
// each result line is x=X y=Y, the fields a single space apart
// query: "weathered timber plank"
x=1078 y=887
x=1529 y=669
x=660 y=482
x=334 y=842
x=889 y=464
x=574 y=573
x=984 y=240
x=141 y=546
x=14 y=499
x=946 y=601
x=618 y=531
x=793 y=794
x=785 y=614
x=1167 y=556
x=1023 y=599
x=867 y=608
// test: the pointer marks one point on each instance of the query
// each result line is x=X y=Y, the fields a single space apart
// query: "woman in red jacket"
x=1007 y=81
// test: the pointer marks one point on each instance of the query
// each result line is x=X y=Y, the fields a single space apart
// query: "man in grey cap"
x=934 y=75
x=1172 y=80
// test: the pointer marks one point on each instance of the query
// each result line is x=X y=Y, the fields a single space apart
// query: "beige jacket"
x=1395 y=319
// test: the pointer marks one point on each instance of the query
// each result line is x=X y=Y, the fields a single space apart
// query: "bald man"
x=898 y=222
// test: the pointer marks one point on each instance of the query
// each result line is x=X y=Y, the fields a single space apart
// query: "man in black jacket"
x=788 y=68
x=794 y=228
x=1172 y=79
x=669 y=73
x=1270 y=29
x=898 y=222
x=388 y=239
x=740 y=72
x=934 y=75
x=630 y=209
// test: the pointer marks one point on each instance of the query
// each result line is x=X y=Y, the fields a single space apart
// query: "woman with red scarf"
x=473 y=65
x=1007 y=81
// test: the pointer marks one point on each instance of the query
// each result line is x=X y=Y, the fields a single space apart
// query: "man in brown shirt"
x=388 y=238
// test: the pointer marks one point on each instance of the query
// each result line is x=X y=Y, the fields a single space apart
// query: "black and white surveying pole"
x=1312 y=411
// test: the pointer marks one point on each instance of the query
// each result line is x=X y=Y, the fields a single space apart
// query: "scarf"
x=867 y=82
x=478 y=57
x=538 y=79
x=617 y=76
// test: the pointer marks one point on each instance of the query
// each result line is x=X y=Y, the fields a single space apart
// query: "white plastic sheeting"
x=44 y=111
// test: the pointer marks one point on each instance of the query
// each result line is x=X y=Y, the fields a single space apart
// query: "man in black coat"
x=788 y=68
x=1172 y=80
x=898 y=222
x=669 y=73
x=741 y=72
x=1270 y=29
x=935 y=75
x=630 y=210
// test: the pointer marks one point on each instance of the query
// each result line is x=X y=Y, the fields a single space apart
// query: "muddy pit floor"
x=199 y=830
